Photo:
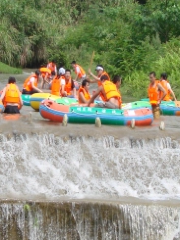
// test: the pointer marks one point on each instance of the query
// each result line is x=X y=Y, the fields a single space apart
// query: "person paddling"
x=156 y=94
x=100 y=73
x=11 y=97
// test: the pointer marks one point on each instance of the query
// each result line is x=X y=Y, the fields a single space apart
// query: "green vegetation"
x=7 y=69
x=129 y=37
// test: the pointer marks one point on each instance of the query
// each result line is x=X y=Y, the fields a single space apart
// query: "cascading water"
x=49 y=167
x=89 y=188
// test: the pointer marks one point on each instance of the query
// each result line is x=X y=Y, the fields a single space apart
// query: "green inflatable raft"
x=26 y=99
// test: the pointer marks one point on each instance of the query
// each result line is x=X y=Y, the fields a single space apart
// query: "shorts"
x=24 y=91
x=9 y=109
x=107 y=105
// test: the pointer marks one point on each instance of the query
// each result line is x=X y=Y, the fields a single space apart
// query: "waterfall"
x=81 y=188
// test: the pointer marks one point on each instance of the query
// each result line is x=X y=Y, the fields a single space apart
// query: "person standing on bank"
x=11 y=97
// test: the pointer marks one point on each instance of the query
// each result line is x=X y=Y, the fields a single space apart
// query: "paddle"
x=92 y=58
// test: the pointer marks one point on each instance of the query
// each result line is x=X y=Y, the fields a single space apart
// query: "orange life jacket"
x=28 y=85
x=86 y=94
x=110 y=91
x=11 y=94
x=68 y=87
x=164 y=85
x=153 y=93
x=81 y=73
x=45 y=71
x=51 y=66
x=56 y=86
x=103 y=74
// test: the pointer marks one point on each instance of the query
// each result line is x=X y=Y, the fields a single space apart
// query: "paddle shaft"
x=92 y=58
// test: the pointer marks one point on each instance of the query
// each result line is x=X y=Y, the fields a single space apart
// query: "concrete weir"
x=78 y=220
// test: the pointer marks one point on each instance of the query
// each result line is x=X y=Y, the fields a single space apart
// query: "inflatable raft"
x=171 y=108
x=134 y=105
x=37 y=98
x=79 y=114
x=26 y=99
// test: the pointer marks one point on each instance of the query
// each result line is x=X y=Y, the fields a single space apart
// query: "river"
x=87 y=183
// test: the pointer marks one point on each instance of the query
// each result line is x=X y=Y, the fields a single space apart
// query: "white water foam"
x=46 y=167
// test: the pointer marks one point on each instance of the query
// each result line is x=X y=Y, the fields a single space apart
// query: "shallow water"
x=83 y=182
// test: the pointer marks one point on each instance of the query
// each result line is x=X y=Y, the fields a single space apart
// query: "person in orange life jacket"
x=45 y=75
x=58 y=83
x=31 y=84
x=52 y=66
x=156 y=94
x=108 y=93
x=100 y=73
x=69 y=87
x=11 y=97
x=83 y=93
x=79 y=71
x=166 y=85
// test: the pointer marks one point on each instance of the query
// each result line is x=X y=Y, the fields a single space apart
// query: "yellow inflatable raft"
x=37 y=98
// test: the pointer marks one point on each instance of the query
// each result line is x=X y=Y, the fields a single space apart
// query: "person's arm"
x=73 y=88
x=94 y=76
x=95 y=95
x=82 y=98
x=74 y=92
x=46 y=77
x=21 y=101
x=77 y=71
x=35 y=88
x=63 y=92
x=3 y=94
x=44 y=80
x=172 y=93
x=162 y=90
